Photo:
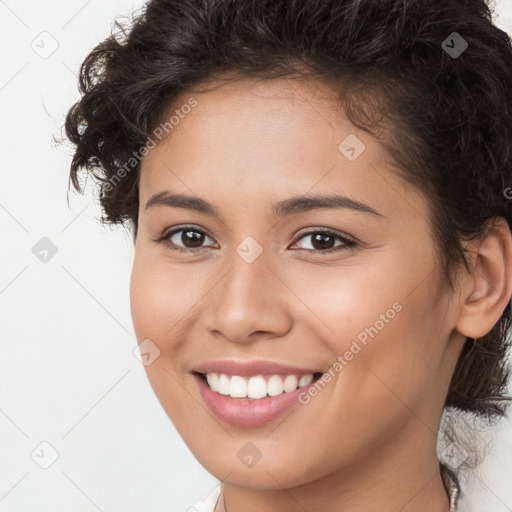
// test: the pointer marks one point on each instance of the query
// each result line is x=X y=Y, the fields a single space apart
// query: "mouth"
x=252 y=401
x=256 y=387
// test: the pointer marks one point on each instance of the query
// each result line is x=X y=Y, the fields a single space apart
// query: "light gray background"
x=68 y=376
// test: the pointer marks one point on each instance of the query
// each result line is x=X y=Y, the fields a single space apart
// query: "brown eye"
x=185 y=239
x=322 y=241
x=191 y=238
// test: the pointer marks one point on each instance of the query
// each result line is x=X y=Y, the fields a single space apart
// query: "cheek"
x=386 y=340
x=159 y=308
x=162 y=297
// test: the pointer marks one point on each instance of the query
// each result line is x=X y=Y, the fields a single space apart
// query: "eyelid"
x=348 y=242
x=320 y=229
x=177 y=229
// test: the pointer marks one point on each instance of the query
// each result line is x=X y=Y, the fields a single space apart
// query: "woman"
x=323 y=258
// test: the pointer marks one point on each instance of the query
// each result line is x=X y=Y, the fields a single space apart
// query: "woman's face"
x=259 y=282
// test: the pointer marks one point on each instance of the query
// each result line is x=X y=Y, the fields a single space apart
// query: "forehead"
x=247 y=115
x=275 y=137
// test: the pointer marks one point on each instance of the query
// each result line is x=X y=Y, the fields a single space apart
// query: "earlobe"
x=487 y=291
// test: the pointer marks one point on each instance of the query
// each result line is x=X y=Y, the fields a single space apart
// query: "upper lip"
x=248 y=368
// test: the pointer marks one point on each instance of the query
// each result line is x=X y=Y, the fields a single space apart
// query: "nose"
x=250 y=302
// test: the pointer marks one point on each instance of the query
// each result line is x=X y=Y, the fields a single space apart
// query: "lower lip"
x=245 y=412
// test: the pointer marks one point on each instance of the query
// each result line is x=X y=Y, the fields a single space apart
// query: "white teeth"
x=291 y=382
x=275 y=385
x=223 y=386
x=305 y=380
x=256 y=387
x=213 y=381
x=238 y=387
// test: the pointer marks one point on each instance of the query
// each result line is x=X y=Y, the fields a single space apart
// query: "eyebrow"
x=290 y=206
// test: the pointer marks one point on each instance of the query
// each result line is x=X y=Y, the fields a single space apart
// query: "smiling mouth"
x=258 y=386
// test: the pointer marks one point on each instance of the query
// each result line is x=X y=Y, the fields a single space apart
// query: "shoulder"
x=207 y=504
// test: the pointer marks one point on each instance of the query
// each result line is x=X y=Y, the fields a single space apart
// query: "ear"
x=487 y=290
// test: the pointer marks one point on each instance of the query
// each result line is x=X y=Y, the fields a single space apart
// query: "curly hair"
x=446 y=117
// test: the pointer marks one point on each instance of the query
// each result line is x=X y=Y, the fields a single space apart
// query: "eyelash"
x=349 y=244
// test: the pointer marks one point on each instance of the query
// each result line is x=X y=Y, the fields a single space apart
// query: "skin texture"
x=367 y=441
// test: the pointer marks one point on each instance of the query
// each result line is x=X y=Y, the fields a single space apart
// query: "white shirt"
x=207 y=504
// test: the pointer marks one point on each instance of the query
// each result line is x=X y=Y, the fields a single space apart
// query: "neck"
x=405 y=478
